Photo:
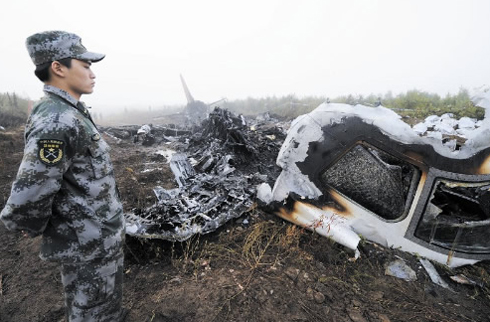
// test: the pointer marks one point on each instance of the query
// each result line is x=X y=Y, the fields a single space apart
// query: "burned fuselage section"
x=350 y=171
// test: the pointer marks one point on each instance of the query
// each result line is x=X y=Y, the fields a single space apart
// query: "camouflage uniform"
x=66 y=191
x=93 y=290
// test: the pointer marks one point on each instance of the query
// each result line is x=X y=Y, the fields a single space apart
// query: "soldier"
x=65 y=188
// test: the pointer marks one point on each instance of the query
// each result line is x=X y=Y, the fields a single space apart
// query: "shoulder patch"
x=51 y=151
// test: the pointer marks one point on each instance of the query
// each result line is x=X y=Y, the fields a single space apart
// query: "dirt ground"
x=258 y=269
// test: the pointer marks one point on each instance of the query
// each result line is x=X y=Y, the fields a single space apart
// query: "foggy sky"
x=240 y=49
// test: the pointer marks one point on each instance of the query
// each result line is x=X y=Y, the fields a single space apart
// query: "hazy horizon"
x=235 y=50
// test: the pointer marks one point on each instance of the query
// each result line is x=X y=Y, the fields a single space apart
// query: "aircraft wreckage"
x=217 y=158
x=217 y=168
x=351 y=171
x=344 y=172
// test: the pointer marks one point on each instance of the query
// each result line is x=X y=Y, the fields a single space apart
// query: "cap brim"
x=91 y=57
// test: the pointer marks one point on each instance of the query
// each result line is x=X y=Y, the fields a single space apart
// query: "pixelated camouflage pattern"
x=74 y=204
x=93 y=290
x=49 y=46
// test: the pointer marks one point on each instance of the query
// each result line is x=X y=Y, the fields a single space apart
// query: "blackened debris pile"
x=224 y=126
x=249 y=145
x=230 y=156
x=205 y=203
x=146 y=134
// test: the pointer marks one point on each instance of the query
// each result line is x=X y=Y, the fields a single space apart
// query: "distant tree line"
x=13 y=109
x=416 y=104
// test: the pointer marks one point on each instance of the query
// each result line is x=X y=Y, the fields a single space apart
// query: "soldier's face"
x=79 y=79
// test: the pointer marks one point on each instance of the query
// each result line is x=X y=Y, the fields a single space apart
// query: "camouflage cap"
x=48 y=46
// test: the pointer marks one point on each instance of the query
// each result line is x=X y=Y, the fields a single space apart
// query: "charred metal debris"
x=344 y=171
x=351 y=171
x=217 y=166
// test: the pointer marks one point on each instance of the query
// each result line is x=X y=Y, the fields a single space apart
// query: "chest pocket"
x=100 y=158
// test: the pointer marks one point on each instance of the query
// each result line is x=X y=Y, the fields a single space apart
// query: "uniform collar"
x=61 y=93
x=67 y=97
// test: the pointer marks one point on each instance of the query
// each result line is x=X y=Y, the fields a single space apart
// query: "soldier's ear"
x=57 y=69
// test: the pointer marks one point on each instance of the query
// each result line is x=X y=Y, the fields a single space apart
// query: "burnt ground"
x=265 y=270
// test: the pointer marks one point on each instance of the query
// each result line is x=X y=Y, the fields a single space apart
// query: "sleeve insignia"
x=51 y=151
